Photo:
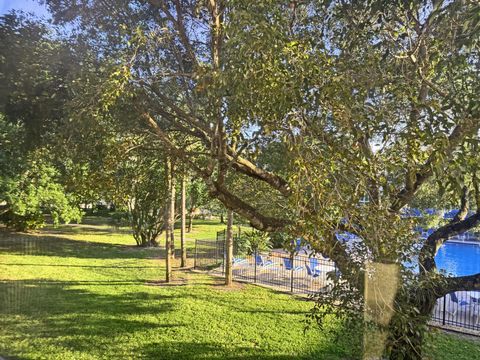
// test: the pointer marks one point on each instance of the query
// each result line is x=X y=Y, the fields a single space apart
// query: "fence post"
x=224 y=247
x=255 y=266
x=195 y=256
x=444 y=308
x=291 y=272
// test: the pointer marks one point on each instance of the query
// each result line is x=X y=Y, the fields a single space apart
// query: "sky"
x=32 y=6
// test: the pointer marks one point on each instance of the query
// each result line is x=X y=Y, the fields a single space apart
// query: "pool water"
x=459 y=259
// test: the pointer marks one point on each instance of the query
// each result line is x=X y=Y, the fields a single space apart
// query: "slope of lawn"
x=85 y=292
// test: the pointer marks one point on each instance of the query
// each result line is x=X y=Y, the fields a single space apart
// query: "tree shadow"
x=48 y=245
x=86 y=229
x=77 y=318
x=81 y=266
x=213 y=351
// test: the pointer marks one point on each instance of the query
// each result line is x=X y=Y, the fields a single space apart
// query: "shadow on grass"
x=82 y=266
x=211 y=351
x=52 y=309
x=47 y=245
x=86 y=229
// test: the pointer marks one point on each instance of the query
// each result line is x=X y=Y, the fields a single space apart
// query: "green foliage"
x=341 y=99
x=252 y=241
x=36 y=70
x=30 y=188
x=280 y=240
x=142 y=188
x=36 y=192
x=197 y=195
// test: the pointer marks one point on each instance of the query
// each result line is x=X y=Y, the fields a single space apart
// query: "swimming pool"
x=459 y=259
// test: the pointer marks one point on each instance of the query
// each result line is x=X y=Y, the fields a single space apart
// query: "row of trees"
x=290 y=112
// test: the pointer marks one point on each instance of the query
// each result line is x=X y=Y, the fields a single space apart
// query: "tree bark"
x=168 y=218
x=409 y=344
x=172 y=211
x=190 y=219
x=182 y=228
x=229 y=249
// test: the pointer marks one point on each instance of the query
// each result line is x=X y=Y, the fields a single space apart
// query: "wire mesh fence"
x=307 y=274
x=209 y=254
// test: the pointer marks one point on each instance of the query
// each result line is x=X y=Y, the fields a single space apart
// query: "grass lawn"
x=85 y=292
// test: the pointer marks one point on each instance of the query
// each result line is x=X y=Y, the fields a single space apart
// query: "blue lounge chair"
x=312 y=273
x=298 y=245
x=288 y=265
x=475 y=301
x=314 y=264
x=461 y=303
x=237 y=261
x=261 y=262
x=426 y=233
x=450 y=214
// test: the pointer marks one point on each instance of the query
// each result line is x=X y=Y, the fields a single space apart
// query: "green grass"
x=85 y=292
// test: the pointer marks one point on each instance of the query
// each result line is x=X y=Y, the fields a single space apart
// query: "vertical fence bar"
x=292 y=261
x=255 y=266
x=444 y=308
x=224 y=248
x=195 y=256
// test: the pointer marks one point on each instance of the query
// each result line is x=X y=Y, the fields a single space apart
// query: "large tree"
x=35 y=70
x=362 y=99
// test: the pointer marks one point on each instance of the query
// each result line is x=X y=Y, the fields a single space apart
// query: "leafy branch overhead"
x=312 y=118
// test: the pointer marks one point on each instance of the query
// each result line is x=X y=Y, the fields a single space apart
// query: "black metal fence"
x=209 y=254
x=459 y=309
x=303 y=274
x=297 y=274
x=300 y=274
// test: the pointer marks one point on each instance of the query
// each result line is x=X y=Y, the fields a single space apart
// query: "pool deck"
x=461 y=316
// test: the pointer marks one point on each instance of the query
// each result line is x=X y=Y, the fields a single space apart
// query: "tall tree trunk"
x=182 y=228
x=229 y=249
x=172 y=212
x=168 y=226
x=222 y=220
x=190 y=218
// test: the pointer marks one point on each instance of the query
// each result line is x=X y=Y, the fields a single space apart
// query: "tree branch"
x=436 y=240
x=456 y=138
x=461 y=283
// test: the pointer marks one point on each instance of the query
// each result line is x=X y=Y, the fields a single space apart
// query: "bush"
x=280 y=240
x=17 y=222
x=251 y=241
x=119 y=219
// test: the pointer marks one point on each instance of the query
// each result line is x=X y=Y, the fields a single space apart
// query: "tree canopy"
x=292 y=113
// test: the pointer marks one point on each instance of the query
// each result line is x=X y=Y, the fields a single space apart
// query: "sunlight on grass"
x=85 y=292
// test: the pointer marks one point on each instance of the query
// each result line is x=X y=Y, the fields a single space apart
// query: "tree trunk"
x=229 y=249
x=222 y=220
x=168 y=217
x=182 y=228
x=190 y=217
x=172 y=212
x=408 y=344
